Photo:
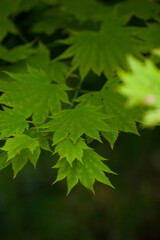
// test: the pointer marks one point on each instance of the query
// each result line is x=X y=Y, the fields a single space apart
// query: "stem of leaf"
x=44 y=136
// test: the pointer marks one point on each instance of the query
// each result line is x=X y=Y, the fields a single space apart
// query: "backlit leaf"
x=33 y=94
x=92 y=169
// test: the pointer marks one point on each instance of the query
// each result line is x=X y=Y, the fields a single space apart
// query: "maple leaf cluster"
x=44 y=63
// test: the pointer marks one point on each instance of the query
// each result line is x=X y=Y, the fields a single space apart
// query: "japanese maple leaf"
x=76 y=122
x=105 y=50
x=87 y=172
x=70 y=150
x=34 y=93
x=11 y=123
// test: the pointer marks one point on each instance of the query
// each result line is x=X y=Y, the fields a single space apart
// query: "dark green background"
x=32 y=209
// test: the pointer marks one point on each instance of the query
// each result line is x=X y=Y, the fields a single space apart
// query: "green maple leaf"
x=3 y=160
x=113 y=105
x=33 y=94
x=8 y=7
x=16 y=144
x=52 y=20
x=11 y=123
x=76 y=122
x=87 y=172
x=124 y=119
x=141 y=82
x=83 y=9
x=141 y=86
x=40 y=59
x=21 y=159
x=96 y=99
x=22 y=149
x=41 y=138
x=6 y=27
x=70 y=150
x=150 y=35
x=102 y=51
x=57 y=71
x=144 y=9
x=33 y=157
x=18 y=53
x=111 y=137
x=26 y=5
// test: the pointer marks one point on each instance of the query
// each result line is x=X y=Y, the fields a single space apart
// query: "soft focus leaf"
x=142 y=86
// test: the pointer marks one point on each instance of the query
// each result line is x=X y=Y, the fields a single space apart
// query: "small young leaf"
x=70 y=150
x=15 y=145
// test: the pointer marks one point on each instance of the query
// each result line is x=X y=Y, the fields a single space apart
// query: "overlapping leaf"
x=42 y=139
x=105 y=50
x=15 y=145
x=3 y=160
x=150 y=35
x=39 y=91
x=52 y=20
x=33 y=94
x=40 y=59
x=24 y=148
x=76 y=122
x=57 y=71
x=144 y=9
x=20 y=160
x=113 y=105
x=18 y=150
x=124 y=119
x=85 y=9
x=70 y=150
x=11 y=123
x=92 y=169
x=18 y=53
